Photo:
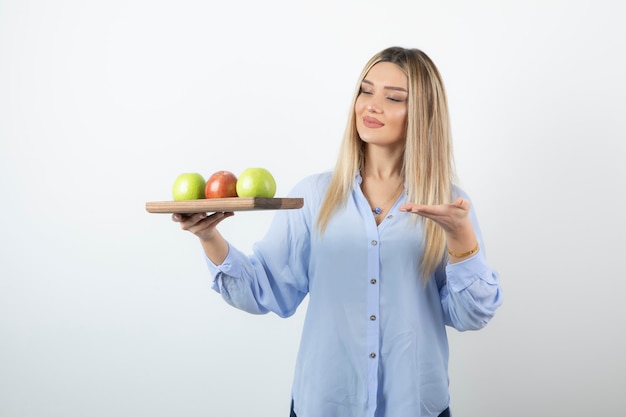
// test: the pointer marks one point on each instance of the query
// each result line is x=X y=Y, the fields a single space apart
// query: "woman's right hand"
x=201 y=224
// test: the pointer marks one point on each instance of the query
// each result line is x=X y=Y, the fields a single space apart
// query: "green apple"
x=188 y=186
x=256 y=182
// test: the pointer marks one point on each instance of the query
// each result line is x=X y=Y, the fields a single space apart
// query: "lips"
x=372 y=122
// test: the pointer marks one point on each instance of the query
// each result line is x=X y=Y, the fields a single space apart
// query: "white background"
x=106 y=310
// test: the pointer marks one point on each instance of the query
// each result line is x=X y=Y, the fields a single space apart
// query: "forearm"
x=215 y=248
x=462 y=242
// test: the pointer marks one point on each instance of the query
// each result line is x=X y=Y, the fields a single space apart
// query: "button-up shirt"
x=374 y=340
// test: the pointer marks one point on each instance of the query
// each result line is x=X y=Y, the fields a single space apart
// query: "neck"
x=382 y=175
x=383 y=163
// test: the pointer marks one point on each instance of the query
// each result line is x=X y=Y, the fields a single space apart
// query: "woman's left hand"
x=455 y=222
x=453 y=218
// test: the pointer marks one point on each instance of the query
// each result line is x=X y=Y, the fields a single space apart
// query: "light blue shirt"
x=374 y=339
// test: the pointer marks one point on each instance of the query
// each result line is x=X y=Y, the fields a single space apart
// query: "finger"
x=426 y=210
x=219 y=217
x=210 y=220
x=462 y=204
x=177 y=217
x=182 y=217
x=188 y=220
x=207 y=223
x=410 y=207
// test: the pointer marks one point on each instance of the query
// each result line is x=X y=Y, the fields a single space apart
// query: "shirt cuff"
x=231 y=267
x=461 y=275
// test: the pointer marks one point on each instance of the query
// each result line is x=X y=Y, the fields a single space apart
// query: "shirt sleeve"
x=274 y=277
x=470 y=291
x=471 y=294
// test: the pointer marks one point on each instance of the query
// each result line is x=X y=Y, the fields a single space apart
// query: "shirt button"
x=372 y=355
x=373 y=281
x=390 y=216
x=374 y=243
x=372 y=317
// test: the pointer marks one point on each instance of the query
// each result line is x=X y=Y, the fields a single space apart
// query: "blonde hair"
x=428 y=165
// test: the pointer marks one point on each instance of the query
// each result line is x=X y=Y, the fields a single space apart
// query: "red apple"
x=221 y=184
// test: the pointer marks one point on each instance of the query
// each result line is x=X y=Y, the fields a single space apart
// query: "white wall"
x=106 y=310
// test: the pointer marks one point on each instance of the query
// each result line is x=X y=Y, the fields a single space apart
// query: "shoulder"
x=312 y=185
x=312 y=189
x=457 y=192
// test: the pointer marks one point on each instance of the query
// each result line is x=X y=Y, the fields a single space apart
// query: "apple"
x=188 y=186
x=221 y=184
x=256 y=182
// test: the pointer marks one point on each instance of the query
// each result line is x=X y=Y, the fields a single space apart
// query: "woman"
x=387 y=248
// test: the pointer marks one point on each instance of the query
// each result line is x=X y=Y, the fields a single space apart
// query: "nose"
x=373 y=104
x=373 y=108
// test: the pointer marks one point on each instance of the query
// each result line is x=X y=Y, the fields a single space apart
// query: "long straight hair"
x=428 y=164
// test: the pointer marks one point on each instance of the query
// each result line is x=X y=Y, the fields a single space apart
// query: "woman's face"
x=381 y=107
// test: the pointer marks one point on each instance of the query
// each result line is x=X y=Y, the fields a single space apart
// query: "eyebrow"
x=387 y=87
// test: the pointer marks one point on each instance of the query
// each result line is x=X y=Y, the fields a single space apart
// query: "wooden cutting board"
x=224 y=204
